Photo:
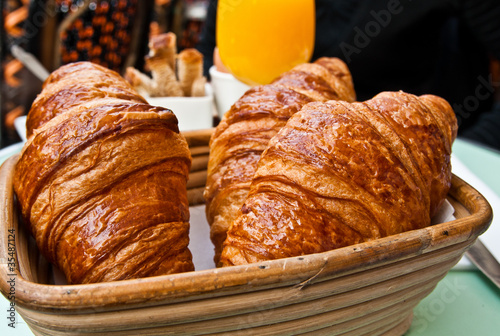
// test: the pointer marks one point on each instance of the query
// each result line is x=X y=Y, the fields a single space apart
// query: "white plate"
x=490 y=237
x=20 y=125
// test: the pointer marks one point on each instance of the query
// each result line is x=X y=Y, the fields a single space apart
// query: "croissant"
x=102 y=186
x=343 y=173
x=244 y=131
x=73 y=84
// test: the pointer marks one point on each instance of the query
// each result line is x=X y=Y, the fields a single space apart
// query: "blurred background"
x=113 y=33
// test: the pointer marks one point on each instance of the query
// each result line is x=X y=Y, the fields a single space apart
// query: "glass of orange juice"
x=260 y=39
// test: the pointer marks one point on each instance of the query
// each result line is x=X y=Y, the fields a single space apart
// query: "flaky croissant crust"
x=243 y=133
x=102 y=187
x=342 y=173
x=73 y=84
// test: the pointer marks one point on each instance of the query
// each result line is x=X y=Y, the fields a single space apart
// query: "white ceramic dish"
x=227 y=89
x=193 y=113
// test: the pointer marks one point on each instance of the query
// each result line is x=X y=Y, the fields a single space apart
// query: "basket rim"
x=229 y=280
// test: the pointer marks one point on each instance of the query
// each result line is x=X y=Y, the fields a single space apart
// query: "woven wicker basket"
x=365 y=289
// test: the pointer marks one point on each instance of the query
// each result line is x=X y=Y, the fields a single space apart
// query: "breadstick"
x=139 y=81
x=189 y=68
x=164 y=46
x=164 y=80
x=198 y=88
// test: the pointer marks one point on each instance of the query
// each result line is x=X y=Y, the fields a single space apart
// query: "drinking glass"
x=260 y=39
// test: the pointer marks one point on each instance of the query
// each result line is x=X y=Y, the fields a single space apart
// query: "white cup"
x=193 y=113
x=227 y=89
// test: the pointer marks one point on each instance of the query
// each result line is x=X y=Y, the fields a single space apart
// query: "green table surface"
x=465 y=302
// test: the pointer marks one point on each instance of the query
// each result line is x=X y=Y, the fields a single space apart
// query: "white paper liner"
x=200 y=244
x=445 y=214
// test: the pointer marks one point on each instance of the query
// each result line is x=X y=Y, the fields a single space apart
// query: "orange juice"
x=260 y=39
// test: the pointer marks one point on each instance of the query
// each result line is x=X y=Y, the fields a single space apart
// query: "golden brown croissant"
x=342 y=173
x=73 y=84
x=244 y=131
x=102 y=187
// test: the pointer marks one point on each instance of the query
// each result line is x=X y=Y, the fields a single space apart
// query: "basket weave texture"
x=364 y=289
